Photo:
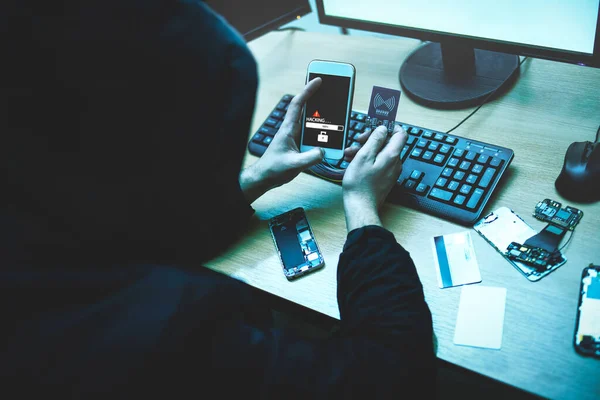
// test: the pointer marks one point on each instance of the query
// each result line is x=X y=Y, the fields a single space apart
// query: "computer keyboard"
x=444 y=175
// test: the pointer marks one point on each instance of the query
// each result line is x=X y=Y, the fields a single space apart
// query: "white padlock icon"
x=322 y=137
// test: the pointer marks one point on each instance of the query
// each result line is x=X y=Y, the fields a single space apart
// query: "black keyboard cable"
x=489 y=95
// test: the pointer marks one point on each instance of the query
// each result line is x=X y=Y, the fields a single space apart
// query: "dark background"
x=331 y=100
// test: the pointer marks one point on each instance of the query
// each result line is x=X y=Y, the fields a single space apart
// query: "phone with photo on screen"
x=326 y=114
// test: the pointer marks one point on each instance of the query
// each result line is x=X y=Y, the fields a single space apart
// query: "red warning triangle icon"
x=316 y=114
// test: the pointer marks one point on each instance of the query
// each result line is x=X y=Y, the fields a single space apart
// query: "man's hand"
x=282 y=161
x=370 y=177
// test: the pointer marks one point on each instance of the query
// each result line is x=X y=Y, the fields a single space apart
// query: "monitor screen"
x=565 y=26
x=471 y=47
x=253 y=18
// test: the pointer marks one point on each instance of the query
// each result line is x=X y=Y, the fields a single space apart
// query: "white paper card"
x=480 y=318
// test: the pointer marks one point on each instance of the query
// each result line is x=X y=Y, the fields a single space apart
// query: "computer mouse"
x=579 y=179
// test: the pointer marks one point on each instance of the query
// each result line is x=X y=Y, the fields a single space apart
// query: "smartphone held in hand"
x=326 y=114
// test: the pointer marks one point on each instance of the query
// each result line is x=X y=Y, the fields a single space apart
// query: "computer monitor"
x=254 y=18
x=471 y=47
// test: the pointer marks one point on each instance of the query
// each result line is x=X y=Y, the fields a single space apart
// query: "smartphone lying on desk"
x=295 y=243
x=502 y=227
x=587 y=323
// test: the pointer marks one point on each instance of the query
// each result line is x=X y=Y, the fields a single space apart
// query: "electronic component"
x=550 y=211
x=504 y=229
x=373 y=123
x=533 y=256
x=548 y=238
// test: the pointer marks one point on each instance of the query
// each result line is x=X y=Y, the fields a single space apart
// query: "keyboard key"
x=410 y=184
x=445 y=149
x=483 y=158
x=287 y=97
x=495 y=162
x=271 y=122
x=475 y=197
x=458 y=153
x=450 y=139
x=439 y=136
x=416 y=153
x=353 y=115
x=405 y=127
x=441 y=182
x=414 y=131
x=440 y=194
x=278 y=125
x=344 y=164
x=470 y=155
x=487 y=177
x=404 y=152
x=416 y=175
x=453 y=185
x=427 y=134
x=433 y=146
x=477 y=168
x=281 y=105
x=453 y=162
x=258 y=138
x=447 y=172
x=421 y=188
x=265 y=130
x=360 y=127
x=353 y=124
x=459 y=175
x=465 y=189
x=471 y=179
x=267 y=140
x=460 y=199
x=427 y=155
x=277 y=114
x=439 y=159
x=422 y=143
x=360 y=117
x=464 y=165
x=411 y=140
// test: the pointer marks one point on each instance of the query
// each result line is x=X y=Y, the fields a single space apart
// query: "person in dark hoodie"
x=124 y=127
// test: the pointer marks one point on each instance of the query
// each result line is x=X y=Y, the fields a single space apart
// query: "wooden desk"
x=551 y=105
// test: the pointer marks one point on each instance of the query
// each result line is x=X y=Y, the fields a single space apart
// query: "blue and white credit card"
x=455 y=260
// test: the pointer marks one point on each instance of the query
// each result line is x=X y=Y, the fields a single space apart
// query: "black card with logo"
x=384 y=103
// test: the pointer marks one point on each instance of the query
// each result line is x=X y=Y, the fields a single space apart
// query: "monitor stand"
x=454 y=76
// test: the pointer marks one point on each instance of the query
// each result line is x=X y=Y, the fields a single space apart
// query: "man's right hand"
x=370 y=177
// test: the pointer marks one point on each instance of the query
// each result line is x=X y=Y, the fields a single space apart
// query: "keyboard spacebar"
x=440 y=194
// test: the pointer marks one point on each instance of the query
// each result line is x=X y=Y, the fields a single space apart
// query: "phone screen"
x=295 y=242
x=326 y=112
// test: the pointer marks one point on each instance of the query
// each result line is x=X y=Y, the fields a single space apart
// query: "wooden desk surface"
x=551 y=105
